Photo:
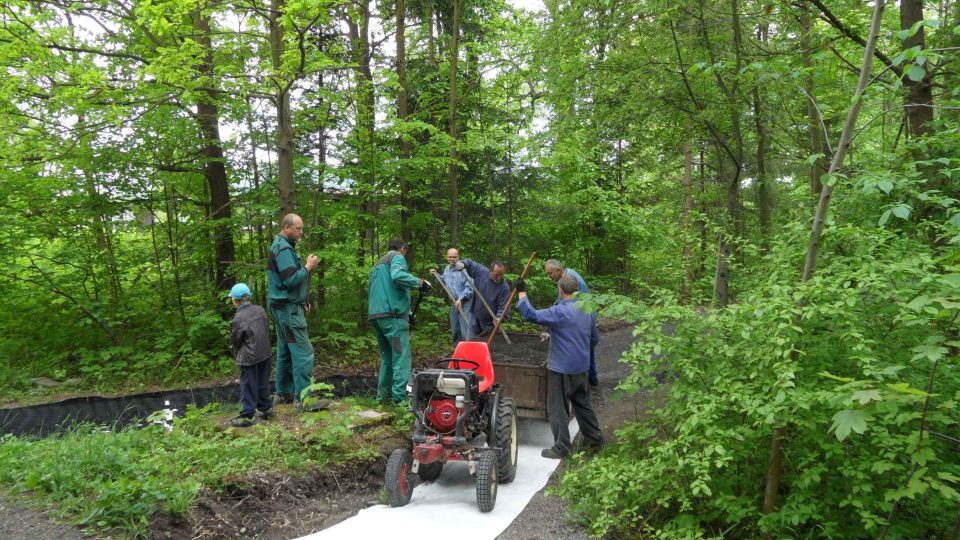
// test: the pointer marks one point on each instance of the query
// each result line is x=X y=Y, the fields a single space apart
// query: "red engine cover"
x=443 y=415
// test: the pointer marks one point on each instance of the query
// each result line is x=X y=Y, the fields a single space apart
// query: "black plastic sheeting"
x=118 y=412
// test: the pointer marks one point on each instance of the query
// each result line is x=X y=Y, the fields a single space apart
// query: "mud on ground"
x=278 y=506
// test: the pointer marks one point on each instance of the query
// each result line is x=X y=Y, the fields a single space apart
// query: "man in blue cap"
x=250 y=338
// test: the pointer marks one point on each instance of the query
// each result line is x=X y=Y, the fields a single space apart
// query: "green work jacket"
x=288 y=279
x=390 y=284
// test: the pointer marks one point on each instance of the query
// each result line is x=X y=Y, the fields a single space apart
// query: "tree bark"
x=359 y=32
x=281 y=100
x=402 y=112
x=452 y=179
x=814 y=121
x=919 y=99
x=208 y=117
x=687 y=216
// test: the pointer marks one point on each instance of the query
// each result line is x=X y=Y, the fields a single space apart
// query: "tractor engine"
x=442 y=415
x=445 y=397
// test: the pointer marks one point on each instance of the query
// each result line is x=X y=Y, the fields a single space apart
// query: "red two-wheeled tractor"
x=461 y=415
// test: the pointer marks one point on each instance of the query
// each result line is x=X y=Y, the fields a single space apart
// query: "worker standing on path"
x=388 y=309
x=555 y=270
x=490 y=287
x=289 y=283
x=568 y=361
x=456 y=282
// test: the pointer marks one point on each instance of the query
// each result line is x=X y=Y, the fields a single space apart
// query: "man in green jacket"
x=388 y=310
x=289 y=283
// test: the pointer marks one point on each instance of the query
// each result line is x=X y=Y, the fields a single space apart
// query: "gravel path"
x=17 y=522
x=545 y=517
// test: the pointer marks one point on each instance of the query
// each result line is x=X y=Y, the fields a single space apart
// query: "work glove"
x=459 y=265
x=544 y=336
x=425 y=286
x=520 y=285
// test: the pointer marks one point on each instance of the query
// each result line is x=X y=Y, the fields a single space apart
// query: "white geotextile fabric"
x=450 y=503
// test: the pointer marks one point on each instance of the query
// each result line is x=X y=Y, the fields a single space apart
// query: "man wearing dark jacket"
x=250 y=338
x=492 y=289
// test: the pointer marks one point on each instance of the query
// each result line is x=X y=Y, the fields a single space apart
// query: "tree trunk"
x=364 y=136
x=208 y=117
x=284 y=122
x=454 y=192
x=319 y=224
x=763 y=187
x=687 y=216
x=919 y=99
x=815 y=125
x=402 y=111
x=774 y=470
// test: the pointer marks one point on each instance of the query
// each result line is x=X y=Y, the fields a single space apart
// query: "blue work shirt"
x=456 y=281
x=572 y=333
x=580 y=282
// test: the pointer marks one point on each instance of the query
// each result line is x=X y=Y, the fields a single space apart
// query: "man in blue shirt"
x=489 y=284
x=555 y=270
x=456 y=282
x=574 y=333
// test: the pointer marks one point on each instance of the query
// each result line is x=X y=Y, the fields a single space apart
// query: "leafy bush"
x=857 y=366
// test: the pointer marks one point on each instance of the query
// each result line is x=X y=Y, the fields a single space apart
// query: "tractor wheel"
x=506 y=440
x=487 y=481
x=429 y=472
x=399 y=481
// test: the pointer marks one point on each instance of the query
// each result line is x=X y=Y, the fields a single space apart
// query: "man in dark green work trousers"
x=388 y=308
x=289 y=283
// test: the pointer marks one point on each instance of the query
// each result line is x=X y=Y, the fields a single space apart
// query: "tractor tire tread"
x=487 y=481
x=399 y=480
x=504 y=438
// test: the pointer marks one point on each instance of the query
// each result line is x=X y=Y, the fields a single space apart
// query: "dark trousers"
x=255 y=388
x=562 y=389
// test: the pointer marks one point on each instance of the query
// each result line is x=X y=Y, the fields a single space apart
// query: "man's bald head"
x=291 y=227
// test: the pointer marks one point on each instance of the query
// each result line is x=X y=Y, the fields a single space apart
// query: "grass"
x=116 y=481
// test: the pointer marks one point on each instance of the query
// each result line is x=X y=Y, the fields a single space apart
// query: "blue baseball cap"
x=239 y=291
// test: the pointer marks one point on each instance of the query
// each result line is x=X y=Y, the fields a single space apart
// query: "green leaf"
x=905 y=388
x=829 y=375
x=902 y=211
x=919 y=302
x=850 y=420
x=931 y=352
x=884 y=218
x=922 y=456
x=813 y=158
x=916 y=73
x=885 y=186
x=866 y=396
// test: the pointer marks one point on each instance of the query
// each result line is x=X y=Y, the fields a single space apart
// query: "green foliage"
x=842 y=362
x=106 y=481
